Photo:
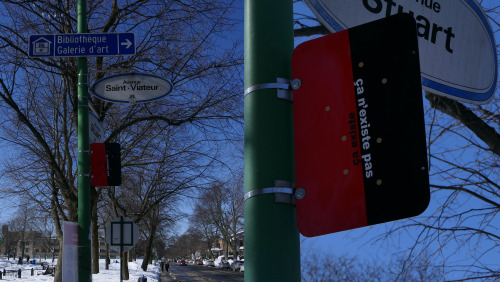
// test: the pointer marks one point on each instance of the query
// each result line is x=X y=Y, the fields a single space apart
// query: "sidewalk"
x=167 y=276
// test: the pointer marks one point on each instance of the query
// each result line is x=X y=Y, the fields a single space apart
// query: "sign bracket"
x=282 y=85
x=283 y=191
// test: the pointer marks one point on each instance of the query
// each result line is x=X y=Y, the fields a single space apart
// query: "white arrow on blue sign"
x=82 y=45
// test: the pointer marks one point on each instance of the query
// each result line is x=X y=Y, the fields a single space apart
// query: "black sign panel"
x=390 y=114
x=114 y=164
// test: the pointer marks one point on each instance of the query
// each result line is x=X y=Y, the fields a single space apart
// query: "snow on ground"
x=111 y=275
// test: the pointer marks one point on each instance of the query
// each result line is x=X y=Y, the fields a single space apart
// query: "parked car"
x=199 y=262
x=208 y=262
x=235 y=265
x=223 y=265
x=242 y=267
x=182 y=262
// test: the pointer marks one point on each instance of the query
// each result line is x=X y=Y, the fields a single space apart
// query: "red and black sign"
x=105 y=164
x=360 y=148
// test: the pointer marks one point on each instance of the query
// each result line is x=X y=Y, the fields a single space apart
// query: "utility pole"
x=84 y=212
x=272 y=247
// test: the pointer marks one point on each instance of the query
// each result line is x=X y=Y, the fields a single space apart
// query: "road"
x=200 y=273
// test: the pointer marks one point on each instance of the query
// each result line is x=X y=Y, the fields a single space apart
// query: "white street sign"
x=458 y=57
x=132 y=88
x=96 y=130
x=70 y=251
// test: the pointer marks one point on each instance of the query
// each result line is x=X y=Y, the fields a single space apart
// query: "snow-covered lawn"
x=111 y=275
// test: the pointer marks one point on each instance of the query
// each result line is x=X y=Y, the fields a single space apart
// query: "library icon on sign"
x=41 y=47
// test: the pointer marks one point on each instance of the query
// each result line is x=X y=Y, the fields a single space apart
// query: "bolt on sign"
x=105 y=164
x=360 y=148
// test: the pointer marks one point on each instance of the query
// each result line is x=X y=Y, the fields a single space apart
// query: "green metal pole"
x=272 y=247
x=84 y=251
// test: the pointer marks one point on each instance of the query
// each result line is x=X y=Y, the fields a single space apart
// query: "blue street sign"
x=82 y=45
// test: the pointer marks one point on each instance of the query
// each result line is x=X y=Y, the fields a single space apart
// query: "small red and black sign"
x=360 y=148
x=105 y=164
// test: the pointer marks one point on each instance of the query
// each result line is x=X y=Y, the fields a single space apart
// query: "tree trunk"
x=108 y=259
x=58 y=270
x=148 y=251
x=22 y=246
x=226 y=250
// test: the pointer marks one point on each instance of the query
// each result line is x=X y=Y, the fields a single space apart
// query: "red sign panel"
x=360 y=150
x=99 y=176
x=105 y=164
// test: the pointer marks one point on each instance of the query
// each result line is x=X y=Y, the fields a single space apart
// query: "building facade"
x=37 y=246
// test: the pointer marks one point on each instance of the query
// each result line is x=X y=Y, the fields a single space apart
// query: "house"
x=37 y=246
x=41 y=46
x=34 y=243
x=218 y=249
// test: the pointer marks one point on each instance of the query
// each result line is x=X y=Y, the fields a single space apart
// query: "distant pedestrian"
x=167 y=266
x=162 y=264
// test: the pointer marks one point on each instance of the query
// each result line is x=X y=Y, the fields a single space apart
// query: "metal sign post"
x=270 y=227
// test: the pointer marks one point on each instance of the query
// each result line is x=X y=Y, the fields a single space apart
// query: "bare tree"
x=20 y=224
x=9 y=242
x=318 y=266
x=185 y=245
x=152 y=187
x=202 y=224
x=178 y=40
x=321 y=266
x=222 y=206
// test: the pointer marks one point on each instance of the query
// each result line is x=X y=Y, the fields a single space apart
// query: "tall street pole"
x=272 y=247
x=84 y=252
